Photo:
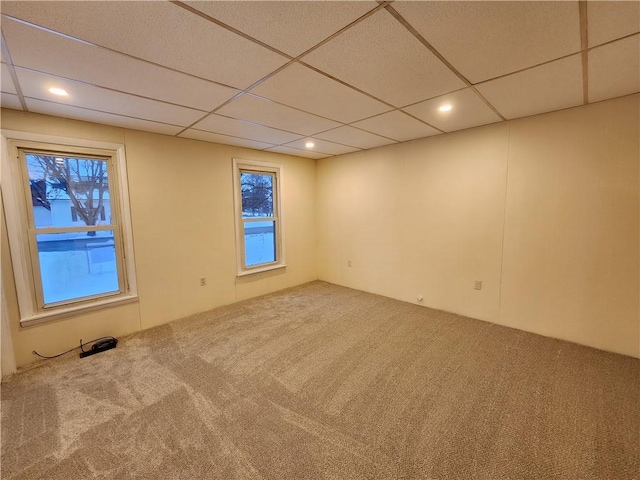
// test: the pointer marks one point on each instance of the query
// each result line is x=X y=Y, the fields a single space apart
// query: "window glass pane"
x=68 y=191
x=257 y=194
x=76 y=265
x=259 y=243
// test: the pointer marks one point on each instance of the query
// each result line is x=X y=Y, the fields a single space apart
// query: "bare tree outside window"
x=257 y=194
x=83 y=181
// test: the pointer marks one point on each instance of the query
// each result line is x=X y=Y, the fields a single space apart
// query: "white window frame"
x=240 y=165
x=25 y=269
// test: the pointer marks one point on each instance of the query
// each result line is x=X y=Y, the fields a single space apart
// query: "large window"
x=258 y=216
x=68 y=225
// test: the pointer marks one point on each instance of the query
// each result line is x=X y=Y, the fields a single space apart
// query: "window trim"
x=240 y=165
x=17 y=220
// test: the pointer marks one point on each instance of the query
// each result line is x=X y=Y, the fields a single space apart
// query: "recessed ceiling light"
x=309 y=144
x=58 y=91
x=445 y=108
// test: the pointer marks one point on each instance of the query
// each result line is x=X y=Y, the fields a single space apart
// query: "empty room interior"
x=320 y=240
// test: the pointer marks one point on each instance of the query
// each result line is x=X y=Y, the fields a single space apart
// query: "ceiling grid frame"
x=388 y=6
x=291 y=59
x=584 y=44
x=12 y=72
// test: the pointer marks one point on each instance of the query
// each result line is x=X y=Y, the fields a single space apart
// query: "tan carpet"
x=321 y=381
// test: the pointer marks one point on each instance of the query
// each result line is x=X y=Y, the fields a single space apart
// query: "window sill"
x=268 y=268
x=59 y=313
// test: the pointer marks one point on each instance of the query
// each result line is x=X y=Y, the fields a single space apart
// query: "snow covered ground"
x=71 y=274
x=259 y=248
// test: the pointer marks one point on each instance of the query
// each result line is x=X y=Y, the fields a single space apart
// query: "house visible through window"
x=69 y=229
x=259 y=220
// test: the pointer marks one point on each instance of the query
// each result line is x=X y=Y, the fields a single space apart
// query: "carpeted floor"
x=321 y=381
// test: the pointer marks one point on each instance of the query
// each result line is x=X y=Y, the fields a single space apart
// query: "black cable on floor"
x=75 y=348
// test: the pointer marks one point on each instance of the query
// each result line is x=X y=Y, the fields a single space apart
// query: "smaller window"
x=259 y=226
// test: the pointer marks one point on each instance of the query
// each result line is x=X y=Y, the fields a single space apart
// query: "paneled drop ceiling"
x=275 y=75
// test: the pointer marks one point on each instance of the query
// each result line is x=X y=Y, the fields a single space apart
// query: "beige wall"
x=543 y=210
x=181 y=194
x=571 y=234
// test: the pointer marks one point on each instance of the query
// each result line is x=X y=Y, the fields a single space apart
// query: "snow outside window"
x=69 y=243
x=258 y=216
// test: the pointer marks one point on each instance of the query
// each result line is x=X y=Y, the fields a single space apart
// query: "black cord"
x=75 y=348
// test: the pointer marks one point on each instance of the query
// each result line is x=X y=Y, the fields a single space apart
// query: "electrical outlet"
x=203 y=281
x=478 y=285
x=348 y=263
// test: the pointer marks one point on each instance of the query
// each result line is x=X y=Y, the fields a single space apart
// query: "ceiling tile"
x=239 y=128
x=157 y=31
x=303 y=88
x=291 y=27
x=468 y=110
x=10 y=100
x=484 y=40
x=297 y=152
x=610 y=20
x=224 y=139
x=68 y=111
x=396 y=125
x=381 y=57
x=265 y=112
x=549 y=87
x=614 y=69
x=6 y=81
x=354 y=137
x=35 y=85
x=58 y=55
x=322 y=146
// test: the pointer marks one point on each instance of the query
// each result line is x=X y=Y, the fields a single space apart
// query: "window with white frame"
x=258 y=207
x=68 y=224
